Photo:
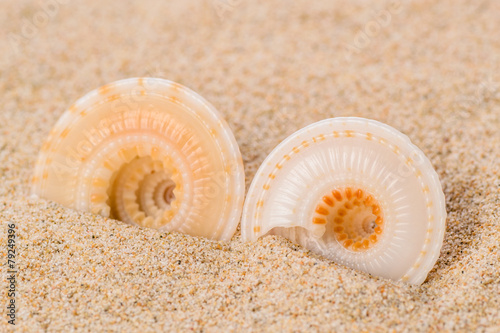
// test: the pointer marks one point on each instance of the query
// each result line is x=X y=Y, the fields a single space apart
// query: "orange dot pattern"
x=354 y=216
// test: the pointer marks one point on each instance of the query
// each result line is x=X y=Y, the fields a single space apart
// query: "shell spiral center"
x=353 y=215
x=144 y=192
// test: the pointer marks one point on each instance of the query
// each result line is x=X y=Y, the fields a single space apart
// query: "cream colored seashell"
x=355 y=191
x=148 y=152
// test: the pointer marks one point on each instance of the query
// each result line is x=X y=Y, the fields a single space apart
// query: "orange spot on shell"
x=104 y=90
x=328 y=200
x=107 y=164
x=65 y=133
x=97 y=198
x=175 y=99
x=318 y=220
x=99 y=182
x=337 y=195
x=113 y=98
x=321 y=210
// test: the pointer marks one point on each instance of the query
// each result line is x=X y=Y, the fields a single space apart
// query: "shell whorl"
x=355 y=191
x=149 y=152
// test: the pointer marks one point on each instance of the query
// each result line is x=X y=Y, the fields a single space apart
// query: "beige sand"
x=430 y=69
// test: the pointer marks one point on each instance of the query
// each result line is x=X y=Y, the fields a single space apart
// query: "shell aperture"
x=149 y=152
x=355 y=191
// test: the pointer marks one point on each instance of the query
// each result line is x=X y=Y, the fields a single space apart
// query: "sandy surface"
x=430 y=70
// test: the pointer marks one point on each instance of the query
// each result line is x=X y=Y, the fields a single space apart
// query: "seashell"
x=149 y=152
x=355 y=191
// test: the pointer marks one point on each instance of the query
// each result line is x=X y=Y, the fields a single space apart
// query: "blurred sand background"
x=431 y=69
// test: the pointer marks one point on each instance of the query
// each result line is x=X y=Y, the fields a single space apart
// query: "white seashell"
x=149 y=152
x=355 y=191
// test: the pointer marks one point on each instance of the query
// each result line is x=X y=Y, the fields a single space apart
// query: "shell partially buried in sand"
x=148 y=152
x=355 y=191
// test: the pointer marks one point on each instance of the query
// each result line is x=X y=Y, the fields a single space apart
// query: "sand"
x=430 y=69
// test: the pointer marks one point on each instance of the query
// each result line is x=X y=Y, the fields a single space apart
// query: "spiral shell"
x=355 y=191
x=148 y=152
